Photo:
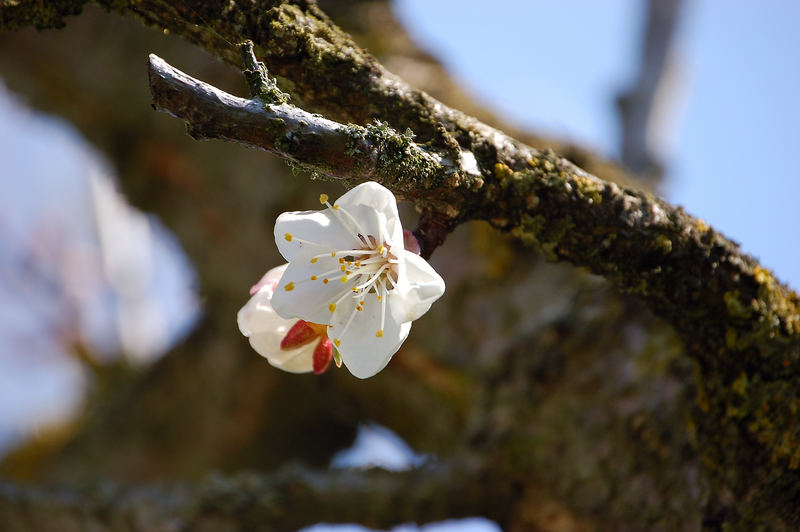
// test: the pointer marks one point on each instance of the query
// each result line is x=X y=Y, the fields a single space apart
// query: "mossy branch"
x=341 y=151
x=629 y=236
x=261 y=85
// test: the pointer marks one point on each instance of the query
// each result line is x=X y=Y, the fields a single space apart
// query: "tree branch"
x=349 y=152
x=286 y=500
x=631 y=237
x=326 y=70
x=635 y=105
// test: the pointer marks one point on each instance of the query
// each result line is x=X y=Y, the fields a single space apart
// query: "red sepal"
x=300 y=334
x=323 y=354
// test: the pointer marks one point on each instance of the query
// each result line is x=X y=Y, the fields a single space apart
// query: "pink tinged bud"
x=410 y=242
x=322 y=356
x=300 y=334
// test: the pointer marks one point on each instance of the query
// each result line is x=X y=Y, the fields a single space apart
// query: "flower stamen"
x=337 y=213
x=347 y=325
x=373 y=279
x=289 y=237
x=383 y=306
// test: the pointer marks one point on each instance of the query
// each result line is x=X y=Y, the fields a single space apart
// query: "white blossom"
x=348 y=269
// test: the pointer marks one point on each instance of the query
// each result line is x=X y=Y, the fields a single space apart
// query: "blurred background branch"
x=637 y=105
x=288 y=499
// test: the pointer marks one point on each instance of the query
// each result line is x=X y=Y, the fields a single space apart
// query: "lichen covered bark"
x=738 y=323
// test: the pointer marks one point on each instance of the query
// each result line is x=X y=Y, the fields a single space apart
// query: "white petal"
x=257 y=315
x=418 y=286
x=266 y=329
x=362 y=351
x=298 y=360
x=269 y=280
x=321 y=228
x=375 y=208
x=309 y=299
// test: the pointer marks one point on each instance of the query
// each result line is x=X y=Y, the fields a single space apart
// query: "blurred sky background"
x=730 y=140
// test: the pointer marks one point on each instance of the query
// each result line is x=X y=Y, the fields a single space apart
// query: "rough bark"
x=738 y=323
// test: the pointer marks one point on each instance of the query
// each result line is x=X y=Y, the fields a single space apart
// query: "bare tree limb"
x=636 y=104
x=349 y=152
x=286 y=500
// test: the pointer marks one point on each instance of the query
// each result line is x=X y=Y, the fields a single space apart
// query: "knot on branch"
x=432 y=229
x=255 y=73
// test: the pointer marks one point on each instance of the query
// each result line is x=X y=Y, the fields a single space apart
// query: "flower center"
x=374 y=269
x=369 y=265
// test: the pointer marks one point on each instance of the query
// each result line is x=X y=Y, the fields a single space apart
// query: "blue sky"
x=731 y=139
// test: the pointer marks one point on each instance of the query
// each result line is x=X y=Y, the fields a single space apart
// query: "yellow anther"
x=379 y=334
x=333 y=253
x=344 y=279
x=323 y=198
x=337 y=342
x=381 y=249
x=289 y=286
x=325 y=281
x=341 y=261
x=379 y=298
x=313 y=277
x=335 y=207
x=288 y=237
x=355 y=289
x=361 y=303
x=314 y=260
x=343 y=267
x=331 y=306
x=358 y=263
x=359 y=309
